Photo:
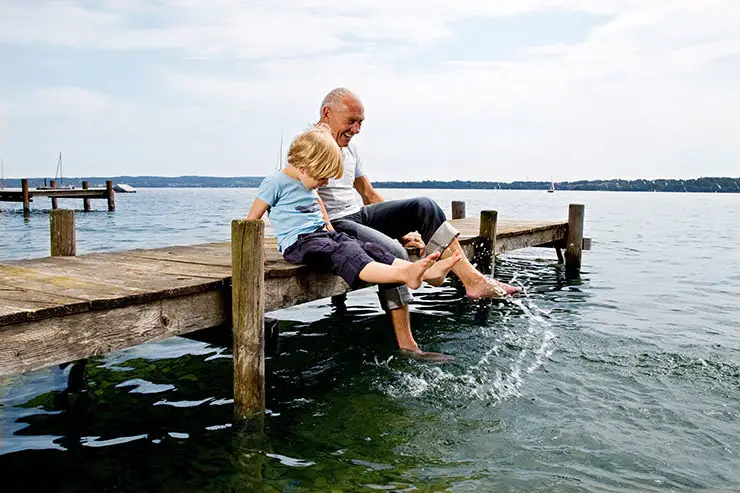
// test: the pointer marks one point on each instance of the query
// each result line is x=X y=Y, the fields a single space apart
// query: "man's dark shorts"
x=338 y=253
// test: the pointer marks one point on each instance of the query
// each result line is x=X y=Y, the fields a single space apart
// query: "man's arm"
x=366 y=191
x=370 y=196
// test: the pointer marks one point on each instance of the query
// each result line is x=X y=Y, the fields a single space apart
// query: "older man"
x=356 y=208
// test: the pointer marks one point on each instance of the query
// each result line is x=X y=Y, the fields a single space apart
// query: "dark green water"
x=625 y=379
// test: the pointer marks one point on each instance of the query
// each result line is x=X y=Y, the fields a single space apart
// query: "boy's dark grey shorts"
x=338 y=253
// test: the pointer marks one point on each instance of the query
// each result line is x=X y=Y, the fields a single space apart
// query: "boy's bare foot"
x=437 y=273
x=427 y=356
x=412 y=274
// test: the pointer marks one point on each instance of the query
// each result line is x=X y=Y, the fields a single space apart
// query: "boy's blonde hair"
x=315 y=152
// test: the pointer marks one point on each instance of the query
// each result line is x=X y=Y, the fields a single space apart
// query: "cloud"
x=645 y=89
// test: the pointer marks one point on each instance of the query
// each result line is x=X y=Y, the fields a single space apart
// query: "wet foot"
x=427 y=356
x=412 y=274
x=508 y=287
x=437 y=273
x=484 y=287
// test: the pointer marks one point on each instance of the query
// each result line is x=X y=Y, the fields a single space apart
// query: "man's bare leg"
x=476 y=284
x=402 y=328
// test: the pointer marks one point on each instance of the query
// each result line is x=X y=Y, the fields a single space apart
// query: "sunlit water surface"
x=625 y=379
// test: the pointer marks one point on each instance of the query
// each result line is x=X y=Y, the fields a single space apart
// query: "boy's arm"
x=326 y=216
x=258 y=209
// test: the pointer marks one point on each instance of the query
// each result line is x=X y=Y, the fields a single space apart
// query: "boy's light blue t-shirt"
x=294 y=209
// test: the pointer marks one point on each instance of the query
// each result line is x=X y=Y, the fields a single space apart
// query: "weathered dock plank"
x=58 y=309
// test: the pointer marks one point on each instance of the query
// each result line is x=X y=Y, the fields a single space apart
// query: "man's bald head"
x=342 y=110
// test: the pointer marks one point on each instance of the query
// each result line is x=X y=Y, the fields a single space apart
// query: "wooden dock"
x=26 y=195
x=63 y=308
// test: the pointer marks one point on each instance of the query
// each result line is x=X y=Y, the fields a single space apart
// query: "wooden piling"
x=63 y=235
x=85 y=202
x=247 y=312
x=487 y=232
x=26 y=199
x=458 y=209
x=111 y=195
x=574 y=248
x=54 y=203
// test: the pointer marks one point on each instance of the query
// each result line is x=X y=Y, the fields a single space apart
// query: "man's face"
x=347 y=123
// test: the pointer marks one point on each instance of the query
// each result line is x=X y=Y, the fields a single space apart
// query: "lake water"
x=625 y=379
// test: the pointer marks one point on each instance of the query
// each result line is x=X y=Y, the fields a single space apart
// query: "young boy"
x=303 y=230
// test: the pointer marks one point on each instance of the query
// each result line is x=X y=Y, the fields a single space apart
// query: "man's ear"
x=325 y=112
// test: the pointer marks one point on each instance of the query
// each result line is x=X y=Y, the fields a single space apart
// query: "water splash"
x=499 y=373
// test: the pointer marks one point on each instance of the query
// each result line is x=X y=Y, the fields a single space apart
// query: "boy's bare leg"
x=409 y=273
x=476 y=284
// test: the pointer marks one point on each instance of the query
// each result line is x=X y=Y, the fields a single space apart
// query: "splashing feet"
x=483 y=287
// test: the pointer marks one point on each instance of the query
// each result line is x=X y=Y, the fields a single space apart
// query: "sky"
x=494 y=90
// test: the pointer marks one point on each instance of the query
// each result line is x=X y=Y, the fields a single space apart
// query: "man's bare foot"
x=437 y=273
x=483 y=287
x=427 y=356
x=508 y=287
x=412 y=274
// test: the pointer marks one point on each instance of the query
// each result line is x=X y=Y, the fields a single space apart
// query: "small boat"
x=57 y=176
x=123 y=188
x=552 y=187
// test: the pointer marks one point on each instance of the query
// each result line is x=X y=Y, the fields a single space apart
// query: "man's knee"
x=428 y=206
x=397 y=250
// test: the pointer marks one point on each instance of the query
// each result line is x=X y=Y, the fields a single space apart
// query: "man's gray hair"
x=335 y=99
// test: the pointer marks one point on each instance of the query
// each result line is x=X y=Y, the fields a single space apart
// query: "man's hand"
x=413 y=241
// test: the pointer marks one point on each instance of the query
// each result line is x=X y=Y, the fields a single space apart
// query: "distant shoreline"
x=705 y=184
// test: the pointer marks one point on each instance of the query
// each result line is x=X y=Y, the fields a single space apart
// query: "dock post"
x=63 y=236
x=574 y=248
x=54 y=204
x=111 y=196
x=248 y=312
x=458 y=209
x=85 y=202
x=488 y=233
x=26 y=199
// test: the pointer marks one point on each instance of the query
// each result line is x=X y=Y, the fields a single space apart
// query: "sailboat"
x=59 y=175
x=552 y=187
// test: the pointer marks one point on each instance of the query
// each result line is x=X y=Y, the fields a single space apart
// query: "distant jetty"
x=25 y=193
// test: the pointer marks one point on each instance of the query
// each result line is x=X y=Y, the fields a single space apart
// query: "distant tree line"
x=717 y=184
x=707 y=184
